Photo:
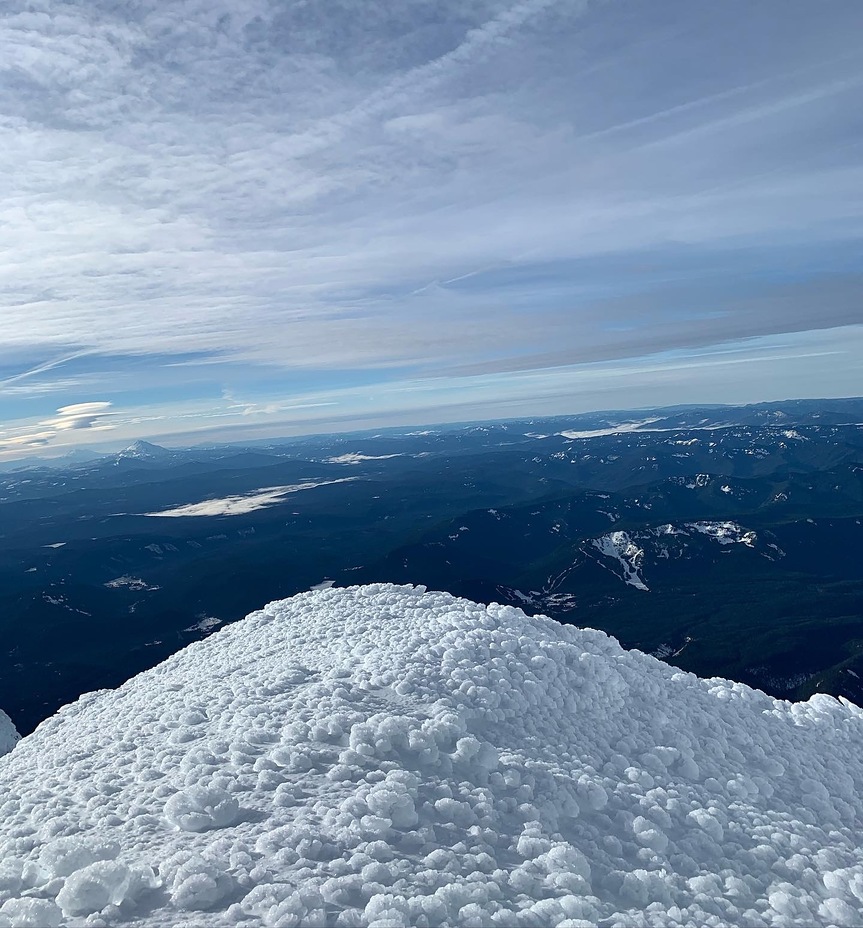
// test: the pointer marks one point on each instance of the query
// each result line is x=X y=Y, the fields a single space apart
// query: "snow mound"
x=383 y=756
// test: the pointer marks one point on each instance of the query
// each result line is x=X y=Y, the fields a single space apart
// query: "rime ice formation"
x=383 y=756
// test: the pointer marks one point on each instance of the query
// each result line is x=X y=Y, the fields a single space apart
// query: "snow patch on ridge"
x=385 y=756
x=636 y=551
x=726 y=533
x=620 y=547
x=135 y=584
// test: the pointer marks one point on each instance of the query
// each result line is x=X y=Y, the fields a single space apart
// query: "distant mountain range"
x=725 y=540
x=818 y=413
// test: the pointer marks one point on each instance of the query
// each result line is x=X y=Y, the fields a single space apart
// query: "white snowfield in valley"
x=242 y=505
x=356 y=457
x=383 y=756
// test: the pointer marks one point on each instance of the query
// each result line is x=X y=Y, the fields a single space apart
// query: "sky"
x=226 y=220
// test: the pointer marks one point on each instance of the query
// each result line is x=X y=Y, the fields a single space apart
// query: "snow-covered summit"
x=385 y=756
x=145 y=451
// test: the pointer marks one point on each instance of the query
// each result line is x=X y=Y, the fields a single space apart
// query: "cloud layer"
x=293 y=192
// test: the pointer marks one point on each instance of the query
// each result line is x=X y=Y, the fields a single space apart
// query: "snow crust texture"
x=383 y=756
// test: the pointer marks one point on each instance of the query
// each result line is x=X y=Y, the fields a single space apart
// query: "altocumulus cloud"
x=25 y=440
x=81 y=416
x=94 y=416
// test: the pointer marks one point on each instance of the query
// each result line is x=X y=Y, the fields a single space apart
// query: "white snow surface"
x=383 y=756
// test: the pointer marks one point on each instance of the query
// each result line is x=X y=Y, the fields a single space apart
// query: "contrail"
x=41 y=368
x=476 y=42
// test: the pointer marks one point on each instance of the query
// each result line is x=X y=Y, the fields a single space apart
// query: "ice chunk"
x=199 y=808
x=66 y=855
x=8 y=734
x=92 y=888
x=29 y=913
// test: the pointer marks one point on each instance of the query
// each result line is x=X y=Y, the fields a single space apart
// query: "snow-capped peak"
x=145 y=450
x=386 y=756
